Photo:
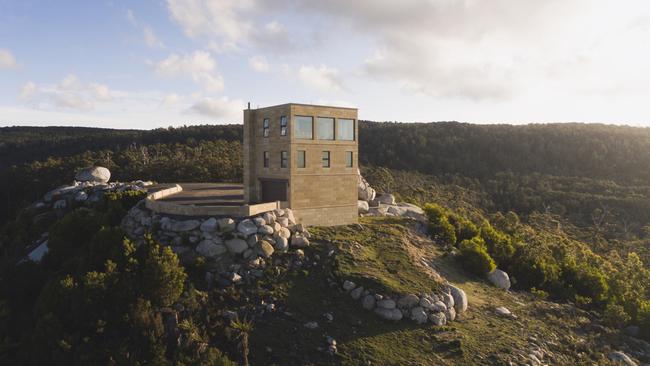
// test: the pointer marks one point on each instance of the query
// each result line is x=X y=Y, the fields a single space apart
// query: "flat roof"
x=205 y=194
x=303 y=104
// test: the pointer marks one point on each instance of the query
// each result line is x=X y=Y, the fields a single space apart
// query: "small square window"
x=349 y=159
x=302 y=161
x=326 y=159
x=283 y=159
x=265 y=126
x=266 y=159
x=283 y=126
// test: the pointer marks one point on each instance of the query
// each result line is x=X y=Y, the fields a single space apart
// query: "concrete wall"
x=318 y=195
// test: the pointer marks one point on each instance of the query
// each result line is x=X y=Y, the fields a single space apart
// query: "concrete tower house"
x=304 y=156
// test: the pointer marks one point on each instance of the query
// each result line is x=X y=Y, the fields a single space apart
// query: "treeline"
x=26 y=144
x=193 y=160
x=563 y=149
x=570 y=169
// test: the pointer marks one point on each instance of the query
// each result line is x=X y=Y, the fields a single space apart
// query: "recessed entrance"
x=274 y=190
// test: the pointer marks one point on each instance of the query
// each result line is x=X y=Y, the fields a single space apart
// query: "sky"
x=153 y=63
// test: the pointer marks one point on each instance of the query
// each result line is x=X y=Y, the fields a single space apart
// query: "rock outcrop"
x=437 y=308
x=365 y=192
x=97 y=174
x=499 y=279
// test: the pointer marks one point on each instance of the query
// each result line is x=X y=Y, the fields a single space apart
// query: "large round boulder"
x=499 y=279
x=97 y=174
x=386 y=199
x=460 y=298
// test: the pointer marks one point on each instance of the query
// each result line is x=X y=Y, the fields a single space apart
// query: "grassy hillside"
x=411 y=262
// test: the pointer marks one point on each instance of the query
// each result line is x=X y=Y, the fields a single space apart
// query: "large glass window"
x=304 y=127
x=283 y=126
x=266 y=159
x=283 y=159
x=265 y=127
x=325 y=128
x=345 y=129
x=326 y=159
x=349 y=159
x=302 y=159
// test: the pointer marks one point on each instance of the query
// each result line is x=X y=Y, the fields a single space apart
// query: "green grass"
x=376 y=256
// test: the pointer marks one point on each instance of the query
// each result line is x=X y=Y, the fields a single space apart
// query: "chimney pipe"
x=249 y=105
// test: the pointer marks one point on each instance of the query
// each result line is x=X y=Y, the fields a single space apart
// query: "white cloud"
x=151 y=39
x=7 y=60
x=322 y=78
x=170 y=100
x=259 y=63
x=70 y=93
x=199 y=66
x=231 y=25
x=130 y=17
x=221 y=20
x=223 y=109
x=28 y=90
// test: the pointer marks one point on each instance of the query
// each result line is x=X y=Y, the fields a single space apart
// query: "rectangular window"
x=325 y=128
x=283 y=126
x=349 y=159
x=302 y=161
x=283 y=159
x=345 y=129
x=266 y=159
x=326 y=159
x=304 y=127
x=265 y=126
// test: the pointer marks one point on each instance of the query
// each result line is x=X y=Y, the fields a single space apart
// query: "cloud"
x=130 y=17
x=321 y=78
x=232 y=25
x=150 y=38
x=220 y=20
x=70 y=93
x=222 y=109
x=259 y=64
x=170 y=100
x=28 y=90
x=148 y=34
x=199 y=66
x=7 y=60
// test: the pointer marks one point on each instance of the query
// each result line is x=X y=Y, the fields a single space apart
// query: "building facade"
x=305 y=156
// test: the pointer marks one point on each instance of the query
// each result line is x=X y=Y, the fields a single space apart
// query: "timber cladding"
x=320 y=173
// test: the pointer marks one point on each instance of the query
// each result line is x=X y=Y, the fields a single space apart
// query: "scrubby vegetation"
x=548 y=260
x=564 y=209
x=96 y=298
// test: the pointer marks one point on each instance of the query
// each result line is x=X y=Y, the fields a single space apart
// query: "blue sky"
x=153 y=63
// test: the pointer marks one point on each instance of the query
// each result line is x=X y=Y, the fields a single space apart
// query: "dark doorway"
x=274 y=190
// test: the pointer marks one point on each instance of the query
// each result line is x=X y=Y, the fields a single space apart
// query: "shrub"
x=464 y=229
x=535 y=269
x=439 y=226
x=474 y=256
x=643 y=318
x=499 y=245
x=585 y=280
x=162 y=276
x=71 y=233
x=615 y=315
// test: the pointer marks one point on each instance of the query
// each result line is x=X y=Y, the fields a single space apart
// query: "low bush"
x=474 y=256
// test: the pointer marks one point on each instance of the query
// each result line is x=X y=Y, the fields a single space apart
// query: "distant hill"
x=26 y=144
x=617 y=153
x=599 y=151
x=506 y=159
